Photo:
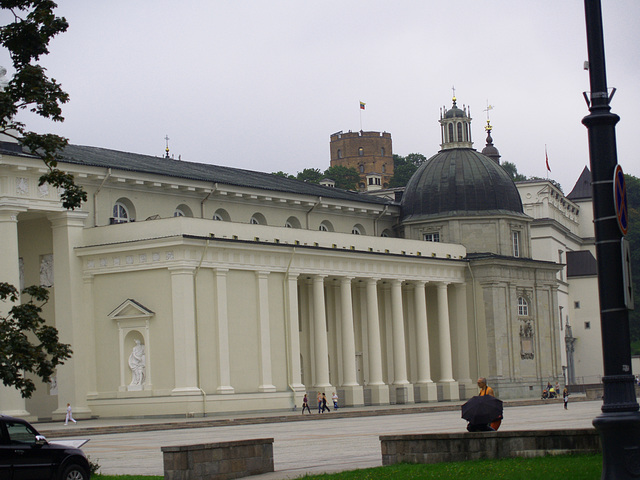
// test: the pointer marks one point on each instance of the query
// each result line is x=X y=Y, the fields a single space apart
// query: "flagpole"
x=362 y=104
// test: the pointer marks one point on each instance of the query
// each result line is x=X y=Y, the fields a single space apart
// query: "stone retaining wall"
x=455 y=447
x=218 y=461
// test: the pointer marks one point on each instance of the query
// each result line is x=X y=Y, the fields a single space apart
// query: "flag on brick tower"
x=362 y=104
x=546 y=158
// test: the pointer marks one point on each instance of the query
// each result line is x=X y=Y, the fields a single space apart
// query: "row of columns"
x=375 y=382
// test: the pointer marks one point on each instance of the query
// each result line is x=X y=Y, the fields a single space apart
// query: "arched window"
x=459 y=131
x=523 y=307
x=384 y=168
x=183 y=210
x=221 y=215
x=361 y=167
x=120 y=213
x=339 y=153
x=361 y=151
x=451 y=132
x=326 y=226
x=258 y=219
x=292 y=222
x=358 y=229
x=382 y=151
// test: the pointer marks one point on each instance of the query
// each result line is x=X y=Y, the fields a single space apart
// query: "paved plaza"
x=330 y=445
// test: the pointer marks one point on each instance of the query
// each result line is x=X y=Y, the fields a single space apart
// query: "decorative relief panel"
x=526 y=341
x=46 y=270
x=43 y=190
x=22 y=186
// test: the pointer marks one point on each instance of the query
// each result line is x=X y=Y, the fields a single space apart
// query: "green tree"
x=346 y=178
x=404 y=168
x=310 y=175
x=280 y=173
x=512 y=170
x=633 y=236
x=26 y=36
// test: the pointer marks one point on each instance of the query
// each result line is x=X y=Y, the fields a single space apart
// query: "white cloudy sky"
x=262 y=84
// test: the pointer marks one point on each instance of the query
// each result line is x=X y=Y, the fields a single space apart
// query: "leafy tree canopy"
x=404 y=168
x=311 y=175
x=31 y=24
x=346 y=178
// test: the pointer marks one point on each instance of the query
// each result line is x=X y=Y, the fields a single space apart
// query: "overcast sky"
x=261 y=85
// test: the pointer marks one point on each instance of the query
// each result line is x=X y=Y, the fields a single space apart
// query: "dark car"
x=26 y=455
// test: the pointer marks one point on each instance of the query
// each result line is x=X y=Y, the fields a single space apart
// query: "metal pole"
x=619 y=422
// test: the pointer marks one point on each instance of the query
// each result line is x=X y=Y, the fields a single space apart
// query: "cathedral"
x=195 y=289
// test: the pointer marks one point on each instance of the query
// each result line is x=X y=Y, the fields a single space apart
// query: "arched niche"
x=133 y=321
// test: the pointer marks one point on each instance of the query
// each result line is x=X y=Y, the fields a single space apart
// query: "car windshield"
x=20 y=434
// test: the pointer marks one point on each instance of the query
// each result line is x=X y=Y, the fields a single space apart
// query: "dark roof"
x=460 y=182
x=582 y=188
x=102 y=157
x=581 y=264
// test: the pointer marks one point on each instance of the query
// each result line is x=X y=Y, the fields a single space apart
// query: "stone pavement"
x=336 y=441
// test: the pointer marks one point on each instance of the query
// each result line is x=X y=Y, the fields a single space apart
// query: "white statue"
x=46 y=270
x=137 y=362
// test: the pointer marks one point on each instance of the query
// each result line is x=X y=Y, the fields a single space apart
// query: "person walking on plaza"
x=324 y=403
x=305 y=404
x=487 y=390
x=565 y=397
x=320 y=409
x=335 y=400
x=69 y=415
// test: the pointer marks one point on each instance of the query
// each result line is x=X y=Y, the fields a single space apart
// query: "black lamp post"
x=619 y=422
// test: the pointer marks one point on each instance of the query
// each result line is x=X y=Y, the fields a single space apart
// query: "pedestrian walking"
x=320 y=409
x=334 y=397
x=305 y=404
x=565 y=397
x=69 y=415
x=324 y=403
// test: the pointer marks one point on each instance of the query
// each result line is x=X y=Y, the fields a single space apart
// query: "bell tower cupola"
x=455 y=126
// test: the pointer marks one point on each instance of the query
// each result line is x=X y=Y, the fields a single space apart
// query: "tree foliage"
x=18 y=355
x=27 y=344
x=633 y=236
x=27 y=38
x=346 y=178
x=404 y=168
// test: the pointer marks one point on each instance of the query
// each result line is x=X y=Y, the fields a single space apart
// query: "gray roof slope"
x=102 y=157
x=582 y=188
x=581 y=263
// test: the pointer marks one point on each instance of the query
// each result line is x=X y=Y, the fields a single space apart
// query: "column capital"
x=442 y=284
x=182 y=270
x=262 y=273
x=67 y=218
x=420 y=283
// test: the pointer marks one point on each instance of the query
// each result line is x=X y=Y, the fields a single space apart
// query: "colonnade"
x=385 y=321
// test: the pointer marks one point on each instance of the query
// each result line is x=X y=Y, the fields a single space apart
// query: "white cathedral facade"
x=188 y=288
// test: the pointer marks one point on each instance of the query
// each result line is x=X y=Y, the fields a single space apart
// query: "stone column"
x=184 y=331
x=293 y=334
x=90 y=365
x=449 y=385
x=404 y=391
x=222 y=323
x=379 y=391
x=264 y=333
x=353 y=392
x=73 y=327
x=321 y=349
x=11 y=402
x=425 y=389
x=462 y=338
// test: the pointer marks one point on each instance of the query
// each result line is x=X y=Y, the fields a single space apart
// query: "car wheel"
x=74 y=472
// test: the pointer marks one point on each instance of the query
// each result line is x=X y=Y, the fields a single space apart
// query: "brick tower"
x=369 y=153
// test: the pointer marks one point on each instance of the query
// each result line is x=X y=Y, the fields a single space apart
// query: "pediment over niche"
x=130 y=309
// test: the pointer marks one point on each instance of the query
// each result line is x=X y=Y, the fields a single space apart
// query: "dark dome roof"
x=460 y=182
x=454 y=112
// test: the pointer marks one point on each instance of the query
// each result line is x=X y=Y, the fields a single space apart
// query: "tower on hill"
x=370 y=153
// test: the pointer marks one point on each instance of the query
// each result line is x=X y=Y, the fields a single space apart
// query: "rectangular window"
x=516 y=244
x=576 y=304
x=587 y=325
x=431 y=237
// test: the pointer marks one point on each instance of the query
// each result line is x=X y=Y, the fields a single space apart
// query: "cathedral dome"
x=460 y=182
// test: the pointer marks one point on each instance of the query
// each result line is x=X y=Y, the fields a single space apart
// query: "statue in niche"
x=137 y=361
x=46 y=270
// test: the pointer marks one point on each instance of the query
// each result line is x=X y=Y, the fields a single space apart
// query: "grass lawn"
x=558 y=467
